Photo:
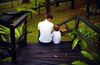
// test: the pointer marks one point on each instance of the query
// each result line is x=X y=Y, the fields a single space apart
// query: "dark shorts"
x=43 y=43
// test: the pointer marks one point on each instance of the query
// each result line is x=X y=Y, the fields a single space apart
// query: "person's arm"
x=38 y=31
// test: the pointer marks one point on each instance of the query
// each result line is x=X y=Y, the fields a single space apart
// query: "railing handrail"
x=19 y=21
x=67 y=20
x=84 y=20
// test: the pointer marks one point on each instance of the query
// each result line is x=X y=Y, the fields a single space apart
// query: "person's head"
x=56 y=27
x=49 y=17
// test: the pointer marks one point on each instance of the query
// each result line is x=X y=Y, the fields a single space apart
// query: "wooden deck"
x=47 y=55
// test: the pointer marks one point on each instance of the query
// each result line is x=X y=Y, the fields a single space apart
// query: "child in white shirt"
x=56 y=35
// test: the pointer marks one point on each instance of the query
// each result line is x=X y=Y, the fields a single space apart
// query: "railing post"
x=13 y=44
x=25 y=36
x=76 y=23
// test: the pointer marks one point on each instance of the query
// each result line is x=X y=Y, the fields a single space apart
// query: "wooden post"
x=13 y=44
x=88 y=8
x=47 y=5
x=77 y=23
x=25 y=36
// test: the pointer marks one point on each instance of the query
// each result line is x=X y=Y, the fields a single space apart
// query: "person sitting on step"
x=56 y=35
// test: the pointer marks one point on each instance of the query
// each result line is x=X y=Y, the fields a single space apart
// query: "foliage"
x=5 y=32
x=91 y=36
x=83 y=44
x=79 y=63
x=75 y=42
x=87 y=55
x=8 y=59
x=96 y=57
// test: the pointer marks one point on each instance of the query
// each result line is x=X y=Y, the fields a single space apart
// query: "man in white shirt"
x=45 y=29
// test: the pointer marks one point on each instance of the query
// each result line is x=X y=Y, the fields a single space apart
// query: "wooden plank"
x=19 y=21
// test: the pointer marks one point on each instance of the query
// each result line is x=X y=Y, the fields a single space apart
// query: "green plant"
x=8 y=59
x=5 y=32
x=87 y=55
x=79 y=63
x=75 y=42
x=85 y=47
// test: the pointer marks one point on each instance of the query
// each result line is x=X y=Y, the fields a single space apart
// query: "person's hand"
x=62 y=29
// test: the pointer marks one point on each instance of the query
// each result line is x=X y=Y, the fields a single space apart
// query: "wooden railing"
x=77 y=20
x=14 y=42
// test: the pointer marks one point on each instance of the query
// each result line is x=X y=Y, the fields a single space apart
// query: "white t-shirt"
x=56 y=35
x=45 y=28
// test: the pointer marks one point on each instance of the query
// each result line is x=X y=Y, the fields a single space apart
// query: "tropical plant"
x=5 y=32
x=79 y=63
x=85 y=50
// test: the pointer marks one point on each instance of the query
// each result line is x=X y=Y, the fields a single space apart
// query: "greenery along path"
x=60 y=13
x=61 y=54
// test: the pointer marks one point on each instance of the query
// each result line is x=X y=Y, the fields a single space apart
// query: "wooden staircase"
x=52 y=54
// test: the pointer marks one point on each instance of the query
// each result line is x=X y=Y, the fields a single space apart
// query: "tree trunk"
x=25 y=1
x=47 y=5
x=12 y=3
x=35 y=2
x=18 y=2
x=57 y=2
x=98 y=4
x=88 y=8
x=72 y=4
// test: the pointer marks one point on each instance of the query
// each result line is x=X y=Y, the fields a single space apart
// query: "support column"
x=13 y=44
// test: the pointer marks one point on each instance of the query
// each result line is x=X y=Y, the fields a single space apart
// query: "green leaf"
x=96 y=56
x=3 y=38
x=4 y=29
x=17 y=33
x=20 y=28
x=83 y=44
x=20 y=9
x=79 y=63
x=87 y=55
x=8 y=59
x=75 y=42
x=2 y=32
x=32 y=11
